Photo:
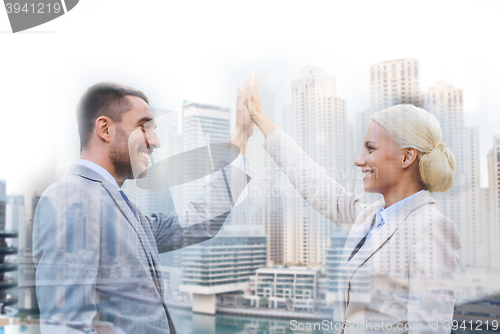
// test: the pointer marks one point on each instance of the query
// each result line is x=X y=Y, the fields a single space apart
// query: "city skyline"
x=60 y=165
x=57 y=163
x=417 y=95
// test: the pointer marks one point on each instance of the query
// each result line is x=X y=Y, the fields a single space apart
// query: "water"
x=188 y=323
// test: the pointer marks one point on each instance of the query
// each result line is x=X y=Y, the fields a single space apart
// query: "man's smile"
x=145 y=155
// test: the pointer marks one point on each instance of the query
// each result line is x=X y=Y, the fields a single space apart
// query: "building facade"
x=317 y=122
x=300 y=289
x=264 y=203
x=494 y=205
x=222 y=265
x=395 y=82
x=461 y=203
x=3 y=203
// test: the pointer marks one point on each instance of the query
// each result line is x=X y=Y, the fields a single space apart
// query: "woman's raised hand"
x=255 y=109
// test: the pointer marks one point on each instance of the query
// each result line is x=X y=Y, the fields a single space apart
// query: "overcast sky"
x=200 y=50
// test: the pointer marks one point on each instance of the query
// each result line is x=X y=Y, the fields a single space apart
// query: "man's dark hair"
x=103 y=99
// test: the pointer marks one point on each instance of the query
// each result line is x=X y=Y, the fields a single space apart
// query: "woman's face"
x=381 y=160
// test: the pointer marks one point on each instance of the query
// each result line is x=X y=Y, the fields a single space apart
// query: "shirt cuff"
x=233 y=158
x=240 y=162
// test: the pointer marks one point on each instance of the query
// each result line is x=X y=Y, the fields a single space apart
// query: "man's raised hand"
x=244 y=124
x=255 y=106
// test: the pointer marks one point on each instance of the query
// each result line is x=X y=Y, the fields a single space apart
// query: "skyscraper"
x=264 y=203
x=3 y=202
x=488 y=238
x=446 y=103
x=202 y=125
x=494 y=200
x=460 y=204
x=317 y=121
x=16 y=218
x=395 y=82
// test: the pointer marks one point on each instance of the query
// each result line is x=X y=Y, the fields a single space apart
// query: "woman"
x=400 y=261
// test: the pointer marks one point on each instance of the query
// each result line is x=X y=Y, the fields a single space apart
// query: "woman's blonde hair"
x=413 y=127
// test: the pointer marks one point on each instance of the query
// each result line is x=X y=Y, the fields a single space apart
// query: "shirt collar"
x=98 y=169
x=387 y=213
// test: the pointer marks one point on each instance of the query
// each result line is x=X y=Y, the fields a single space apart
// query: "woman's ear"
x=409 y=157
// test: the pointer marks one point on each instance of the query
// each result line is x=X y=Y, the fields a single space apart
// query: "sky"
x=200 y=51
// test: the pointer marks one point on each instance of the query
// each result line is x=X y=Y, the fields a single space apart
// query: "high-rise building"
x=297 y=286
x=333 y=262
x=395 y=82
x=446 y=103
x=317 y=121
x=264 y=204
x=467 y=184
x=3 y=203
x=223 y=264
x=8 y=266
x=27 y=288
x=460 y=204
x=28 y=229
x=487 y=237
x=15 y=218
x=202 y=125
x=494 y=200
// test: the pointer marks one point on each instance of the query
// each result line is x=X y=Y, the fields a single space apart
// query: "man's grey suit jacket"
x=95 y=262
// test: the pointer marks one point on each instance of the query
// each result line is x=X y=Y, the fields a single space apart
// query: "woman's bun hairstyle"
x=413 y=127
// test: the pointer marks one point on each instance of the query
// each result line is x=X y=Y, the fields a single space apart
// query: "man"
x=96 y=254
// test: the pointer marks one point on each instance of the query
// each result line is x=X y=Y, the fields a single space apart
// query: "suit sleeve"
x=433 y=275
x=66 y=256
x=205 y=216
x=323 y=193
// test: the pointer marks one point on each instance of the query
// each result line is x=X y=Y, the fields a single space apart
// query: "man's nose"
x=152 y=139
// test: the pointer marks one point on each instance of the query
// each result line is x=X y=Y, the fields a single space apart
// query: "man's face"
x=135 y=140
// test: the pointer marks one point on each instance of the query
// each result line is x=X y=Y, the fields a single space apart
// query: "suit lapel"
x=127 y=212
x=359 y=229
x=393 y=223
x=378 y=239
x=138 y=228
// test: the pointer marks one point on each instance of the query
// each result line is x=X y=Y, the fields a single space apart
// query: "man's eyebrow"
x=146 y=119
